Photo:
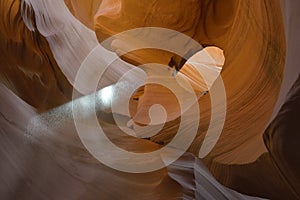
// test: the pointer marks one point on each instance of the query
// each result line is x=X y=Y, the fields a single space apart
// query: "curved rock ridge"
x=27 y=64
x=253 y=43
x=84 y=10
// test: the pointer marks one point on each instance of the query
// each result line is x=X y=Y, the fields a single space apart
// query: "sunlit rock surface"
x=44 y=43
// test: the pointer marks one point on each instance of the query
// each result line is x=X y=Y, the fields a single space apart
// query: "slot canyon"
x=149 y=99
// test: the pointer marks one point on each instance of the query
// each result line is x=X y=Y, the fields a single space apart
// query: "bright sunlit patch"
x=208 y=62
x=105 y=95
x=85 y=101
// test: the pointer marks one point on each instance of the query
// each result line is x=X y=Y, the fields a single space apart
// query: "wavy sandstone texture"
x=251 y=44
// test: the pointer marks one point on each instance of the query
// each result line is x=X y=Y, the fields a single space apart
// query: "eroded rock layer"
x=43 y=44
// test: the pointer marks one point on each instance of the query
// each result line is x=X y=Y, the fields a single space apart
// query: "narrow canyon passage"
x=195 y=93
